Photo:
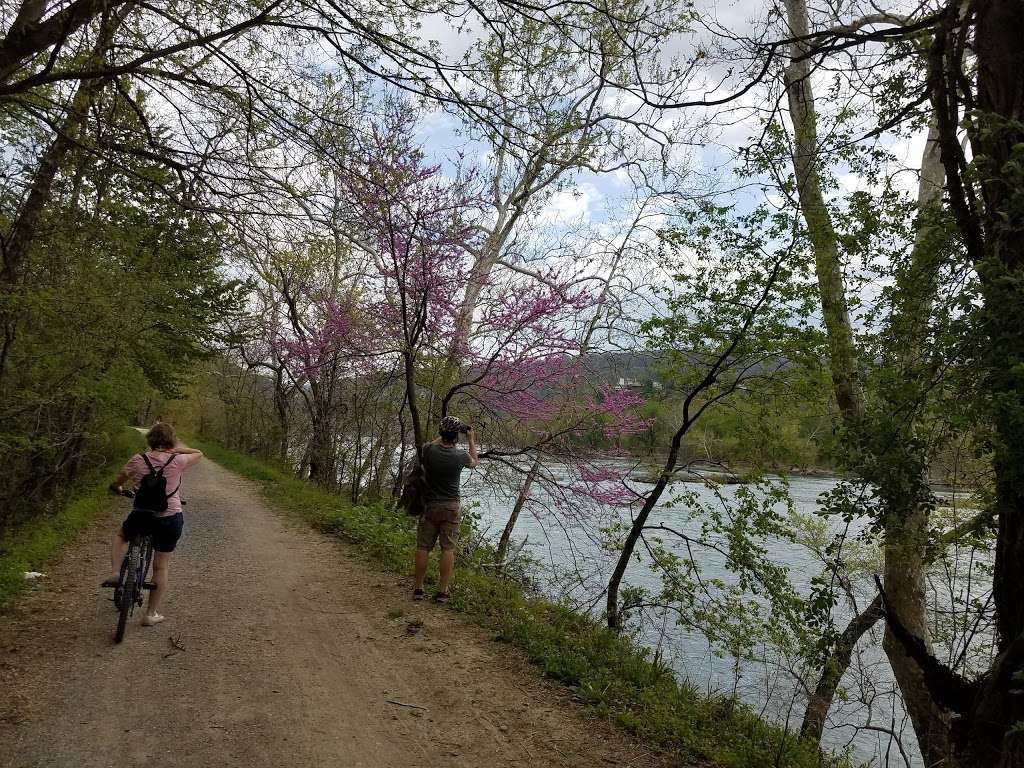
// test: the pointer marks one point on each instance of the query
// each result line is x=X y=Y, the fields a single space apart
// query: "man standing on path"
x=443 y=463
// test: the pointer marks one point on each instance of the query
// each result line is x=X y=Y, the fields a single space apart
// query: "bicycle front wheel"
x=124 y=600
x=128 y=589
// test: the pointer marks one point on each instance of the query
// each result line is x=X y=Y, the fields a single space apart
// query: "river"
x=570 y=564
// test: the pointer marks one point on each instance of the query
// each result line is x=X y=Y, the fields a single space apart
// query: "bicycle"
x=132 y=580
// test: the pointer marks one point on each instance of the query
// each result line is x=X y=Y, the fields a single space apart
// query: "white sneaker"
x=152 y=619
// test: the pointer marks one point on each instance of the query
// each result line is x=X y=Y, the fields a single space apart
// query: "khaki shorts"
x=439 y=522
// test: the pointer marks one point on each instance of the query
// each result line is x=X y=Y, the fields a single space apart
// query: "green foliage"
x=117 y=295
x=604 y=670
x=739 y=528
x=33 y=546
x=779 y=429
x=774 y=430
x=737 y=313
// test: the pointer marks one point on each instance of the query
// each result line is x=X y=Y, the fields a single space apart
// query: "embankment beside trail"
x=607 y=672
x=33 y=545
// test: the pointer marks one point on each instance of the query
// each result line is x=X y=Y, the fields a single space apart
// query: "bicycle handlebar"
x=128 y=493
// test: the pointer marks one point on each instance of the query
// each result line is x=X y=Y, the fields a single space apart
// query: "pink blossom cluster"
x=618 y=407
x=527 y=388
x=420 y=229
x=331 y=332
x=603 y=485
x=419 y=234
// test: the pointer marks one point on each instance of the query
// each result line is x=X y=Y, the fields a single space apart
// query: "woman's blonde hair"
x=160 y=435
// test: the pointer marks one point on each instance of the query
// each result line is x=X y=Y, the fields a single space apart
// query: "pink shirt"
x=136 y=469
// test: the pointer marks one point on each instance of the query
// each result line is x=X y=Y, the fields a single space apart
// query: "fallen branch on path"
x=176 y=646
x=403 y=704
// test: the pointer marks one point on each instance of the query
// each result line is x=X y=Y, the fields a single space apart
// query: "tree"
x=985 y=199
x=727 y=326
x=905 y=517
x=142 y=277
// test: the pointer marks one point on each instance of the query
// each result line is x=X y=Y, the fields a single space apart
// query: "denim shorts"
x=165 y=530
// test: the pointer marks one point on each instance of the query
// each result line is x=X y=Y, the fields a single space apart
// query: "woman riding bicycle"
x=164 y=525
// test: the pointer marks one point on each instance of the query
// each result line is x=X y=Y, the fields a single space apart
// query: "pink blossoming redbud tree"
x=518 y=364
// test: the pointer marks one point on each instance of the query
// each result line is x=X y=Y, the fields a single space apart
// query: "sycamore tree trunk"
x=905 y=535
x=911 y=324
x=820 y=231
x=903 y=576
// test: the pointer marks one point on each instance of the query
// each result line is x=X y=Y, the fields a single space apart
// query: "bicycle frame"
x=132 y=583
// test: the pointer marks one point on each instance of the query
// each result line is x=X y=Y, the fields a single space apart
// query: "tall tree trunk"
x=906 y=533
x=910 y=326
x=403 y=445
x=906 y=529
x=999 y=148
x=281 y=411
x=384 y=457
x=411 y=399
x=992 y=231
x=321 y=455
x=824 y=243
x=904 y=569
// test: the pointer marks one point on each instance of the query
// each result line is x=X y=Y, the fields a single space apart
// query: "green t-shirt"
x=443 y=467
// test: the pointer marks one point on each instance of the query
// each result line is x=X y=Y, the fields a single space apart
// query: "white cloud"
x=571 y=205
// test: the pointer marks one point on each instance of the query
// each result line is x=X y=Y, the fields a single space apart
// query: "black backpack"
x=152 y=492
x=414 y=489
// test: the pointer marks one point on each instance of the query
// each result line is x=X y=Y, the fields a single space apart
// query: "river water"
x=570 y=564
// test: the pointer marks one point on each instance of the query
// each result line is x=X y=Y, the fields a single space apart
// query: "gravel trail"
x=281 y=649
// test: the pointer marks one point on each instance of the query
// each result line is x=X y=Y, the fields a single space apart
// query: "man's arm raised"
x=474 y=460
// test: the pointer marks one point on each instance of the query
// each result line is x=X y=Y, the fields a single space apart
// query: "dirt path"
x=294 y=654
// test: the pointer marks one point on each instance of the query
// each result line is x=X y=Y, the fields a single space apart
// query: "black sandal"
x=417 y=594
x=442 y=597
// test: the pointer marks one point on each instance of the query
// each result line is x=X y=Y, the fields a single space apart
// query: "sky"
x=598 y=198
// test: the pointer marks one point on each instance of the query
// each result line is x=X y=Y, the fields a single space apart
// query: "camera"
x=464 y=429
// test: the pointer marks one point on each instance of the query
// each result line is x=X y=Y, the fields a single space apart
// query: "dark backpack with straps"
x=152 y=493
x=414 y=489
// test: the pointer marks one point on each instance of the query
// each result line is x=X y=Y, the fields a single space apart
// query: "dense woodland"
x=310 y=229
